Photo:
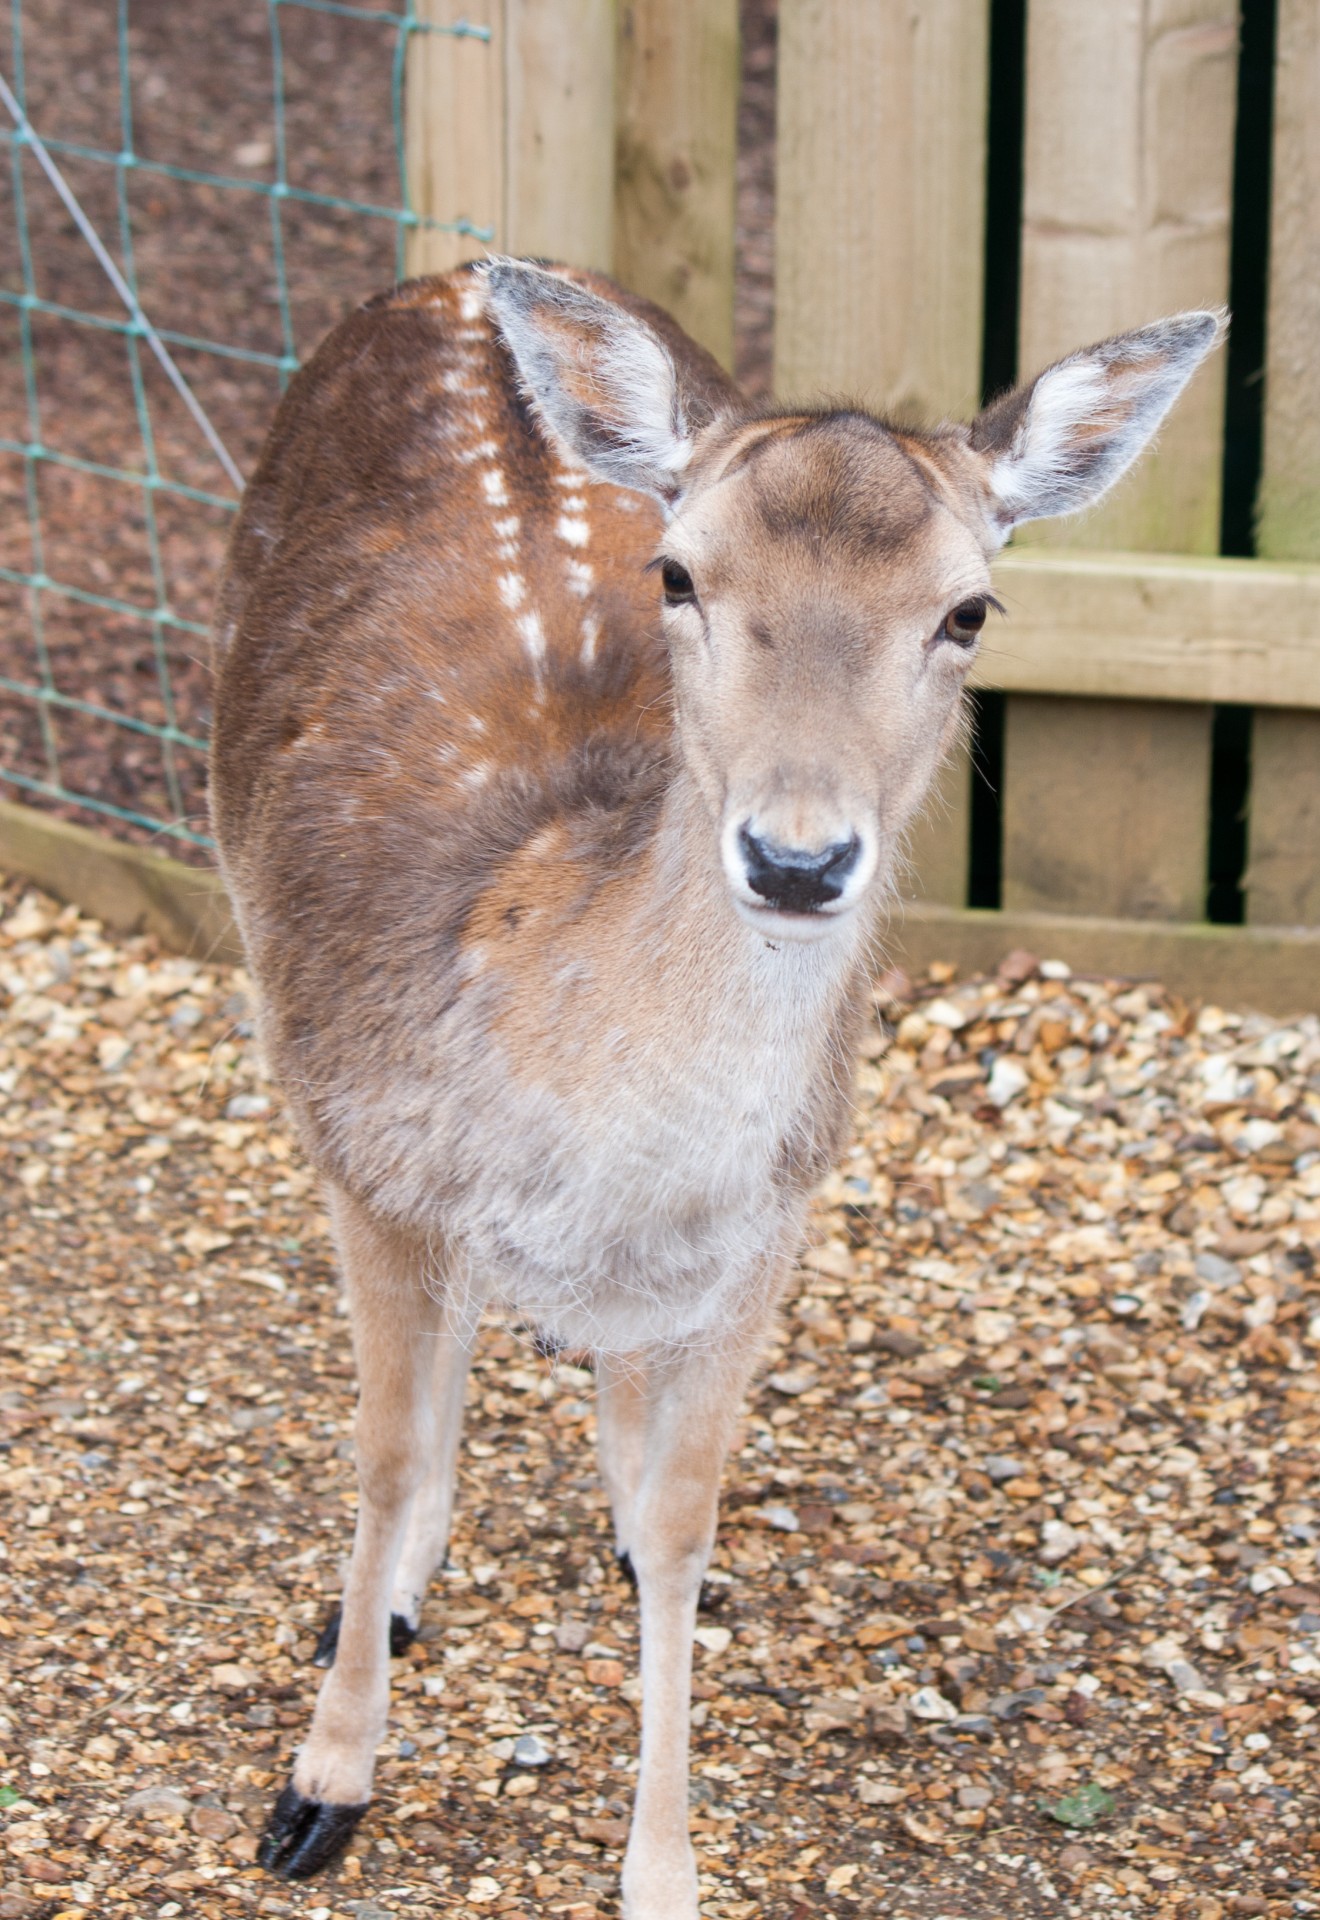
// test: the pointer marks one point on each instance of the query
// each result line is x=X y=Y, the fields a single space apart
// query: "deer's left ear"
x=601 y=382
x=1060 y=442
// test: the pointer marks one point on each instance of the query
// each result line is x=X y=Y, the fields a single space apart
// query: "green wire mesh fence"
x=113 y=502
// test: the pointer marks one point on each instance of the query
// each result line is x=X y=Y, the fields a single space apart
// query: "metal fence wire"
x=123 y=435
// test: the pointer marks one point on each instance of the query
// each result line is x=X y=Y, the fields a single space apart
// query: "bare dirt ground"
x=201 y=85
x=1018 y=1577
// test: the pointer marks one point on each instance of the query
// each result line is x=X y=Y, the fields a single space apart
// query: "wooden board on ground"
x=1276 y=969
x=677 y=150
x=129 y=889
x=880 y=187
x=1270 y=969
x=1106 y=807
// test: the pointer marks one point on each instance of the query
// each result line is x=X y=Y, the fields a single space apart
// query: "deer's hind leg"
x=404 y=1350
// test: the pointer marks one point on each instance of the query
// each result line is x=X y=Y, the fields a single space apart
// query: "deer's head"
x=825 y=576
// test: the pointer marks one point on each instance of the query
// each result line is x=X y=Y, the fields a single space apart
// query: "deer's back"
x=434 y=641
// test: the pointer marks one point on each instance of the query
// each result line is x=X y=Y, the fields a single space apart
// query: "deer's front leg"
x=692 y=1403
x=396 y=1326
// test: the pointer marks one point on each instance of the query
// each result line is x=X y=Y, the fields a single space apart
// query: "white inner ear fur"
x=1090 y=416
x=1036 y=465
x=601 y=383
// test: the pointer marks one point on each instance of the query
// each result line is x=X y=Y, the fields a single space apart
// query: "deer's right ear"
x=601 y=382
x=1060 y=442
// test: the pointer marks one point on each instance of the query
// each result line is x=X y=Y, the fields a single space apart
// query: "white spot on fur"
x=470 y=304
x=477 y=724
x=475 y=776
x=492 y=485
x=590 y=635
x=580 y=578
x=575 y=532
x=575 y=504
x=572 y=477
x=513 y=590
x=533 y=636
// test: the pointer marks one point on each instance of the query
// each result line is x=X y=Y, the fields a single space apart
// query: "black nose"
x=794 y=879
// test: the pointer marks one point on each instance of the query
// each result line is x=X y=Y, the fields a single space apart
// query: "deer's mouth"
x=791 y=891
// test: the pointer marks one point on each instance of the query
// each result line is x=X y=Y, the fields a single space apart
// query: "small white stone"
x=927 y=1703
x=1007 y=1080
x=713 y=1639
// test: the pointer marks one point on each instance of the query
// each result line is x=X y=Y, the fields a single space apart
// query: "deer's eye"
x=964 y=623
x=677 y=581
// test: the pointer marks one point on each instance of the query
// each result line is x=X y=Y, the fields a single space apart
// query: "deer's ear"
x=601 y=382
x=1060 y=442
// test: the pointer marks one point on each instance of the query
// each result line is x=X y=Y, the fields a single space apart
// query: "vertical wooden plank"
x=514 y=134
x=880 y=187
x=939 y=845
x=1282 y=881
x=1127 y=186
x=454 y=133
x=1127 y=193
x=559 y=152
x=677 y=151
x=1289 y=525
x=1104 y=807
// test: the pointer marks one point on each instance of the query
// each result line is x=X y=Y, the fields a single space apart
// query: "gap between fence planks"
x=1282 y=879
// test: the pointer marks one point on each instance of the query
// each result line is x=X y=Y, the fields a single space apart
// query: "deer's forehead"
x=841 y=483
x=833 y=505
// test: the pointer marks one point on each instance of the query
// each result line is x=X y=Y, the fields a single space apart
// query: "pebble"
x=530 y=1750
x=571 y=1636
x=927 y=1703
x=1001 y=1467
x=157 y=1800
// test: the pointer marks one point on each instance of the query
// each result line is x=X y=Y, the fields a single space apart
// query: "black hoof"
x=402 y=1635
x=627 y=1569
x=302 y=1836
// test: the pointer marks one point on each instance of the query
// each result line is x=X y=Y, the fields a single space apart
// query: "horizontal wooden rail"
x=1135 y=626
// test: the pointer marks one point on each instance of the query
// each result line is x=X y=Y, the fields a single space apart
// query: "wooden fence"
x=607 y=137
x=603 y=132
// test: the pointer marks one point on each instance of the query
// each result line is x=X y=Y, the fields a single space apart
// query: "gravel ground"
x=1017 y=1590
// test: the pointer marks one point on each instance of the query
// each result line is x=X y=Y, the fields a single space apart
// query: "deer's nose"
x=797 y=879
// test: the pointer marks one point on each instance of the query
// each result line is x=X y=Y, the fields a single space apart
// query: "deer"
x=571 y=713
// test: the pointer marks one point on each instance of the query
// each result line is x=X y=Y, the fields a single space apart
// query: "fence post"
x=1127 y=180
x=513 y=134
x=1283 y=867
x=879 y=249
x=677 y=158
